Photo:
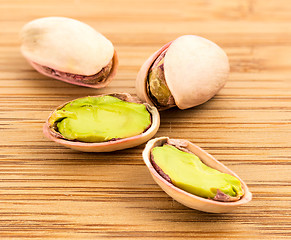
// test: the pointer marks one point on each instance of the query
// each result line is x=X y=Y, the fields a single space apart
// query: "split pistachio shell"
x=188 y=199
x=111 y=145
x=69 y=50
x=195 y=69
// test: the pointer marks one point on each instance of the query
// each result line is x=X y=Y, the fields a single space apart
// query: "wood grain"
x=50 y=192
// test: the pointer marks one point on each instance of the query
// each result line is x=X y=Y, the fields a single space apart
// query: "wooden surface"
x=50 y=192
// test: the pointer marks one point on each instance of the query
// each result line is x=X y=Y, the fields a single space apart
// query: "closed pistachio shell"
x=69 y=50
x=186 y=198
x=195 y=69
x=111 y=145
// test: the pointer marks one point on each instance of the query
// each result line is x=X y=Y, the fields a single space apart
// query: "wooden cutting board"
x=51 y=192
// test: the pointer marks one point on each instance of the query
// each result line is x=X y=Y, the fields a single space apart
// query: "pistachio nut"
x=193 y=177
x=102 y=123
x=186 y=171
x=69 y=50
x=184 y=73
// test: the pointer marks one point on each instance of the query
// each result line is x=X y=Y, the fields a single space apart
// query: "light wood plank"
x=50 y=192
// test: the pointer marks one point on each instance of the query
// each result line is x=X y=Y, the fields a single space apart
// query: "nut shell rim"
x=97 y=85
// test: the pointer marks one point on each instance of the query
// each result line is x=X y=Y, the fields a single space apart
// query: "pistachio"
x=102 y=123
x=186 y=171
x=193 y=177
x=100 y=119
x=69 y=50
x=184 y=73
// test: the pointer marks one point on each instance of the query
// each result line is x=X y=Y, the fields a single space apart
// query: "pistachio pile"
x=185 y=72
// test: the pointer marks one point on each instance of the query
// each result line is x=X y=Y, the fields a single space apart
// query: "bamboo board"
x=50 y=192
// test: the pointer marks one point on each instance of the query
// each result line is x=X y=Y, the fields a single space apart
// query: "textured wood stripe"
x=50 y=192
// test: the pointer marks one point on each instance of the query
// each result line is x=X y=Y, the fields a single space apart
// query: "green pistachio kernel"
x=187 y=172
x=100 y=119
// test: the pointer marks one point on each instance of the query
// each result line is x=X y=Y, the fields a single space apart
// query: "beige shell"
x=113 y=145
x=68 y=46
x=195 y=70
x=188 y=199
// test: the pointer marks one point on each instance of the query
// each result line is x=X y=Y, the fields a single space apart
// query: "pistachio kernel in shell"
x=157 y=85
x=186 y=171
x=100 y=119
x=91 y=80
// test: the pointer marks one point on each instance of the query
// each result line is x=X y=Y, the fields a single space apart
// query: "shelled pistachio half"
x=69 y=50
x=102 y=123
x=193 y=177
x=184 y=73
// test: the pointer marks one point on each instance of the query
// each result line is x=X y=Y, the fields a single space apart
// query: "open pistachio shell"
x=69 y=50
x=111 y=145
x=186 y=198
x=195 y=69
